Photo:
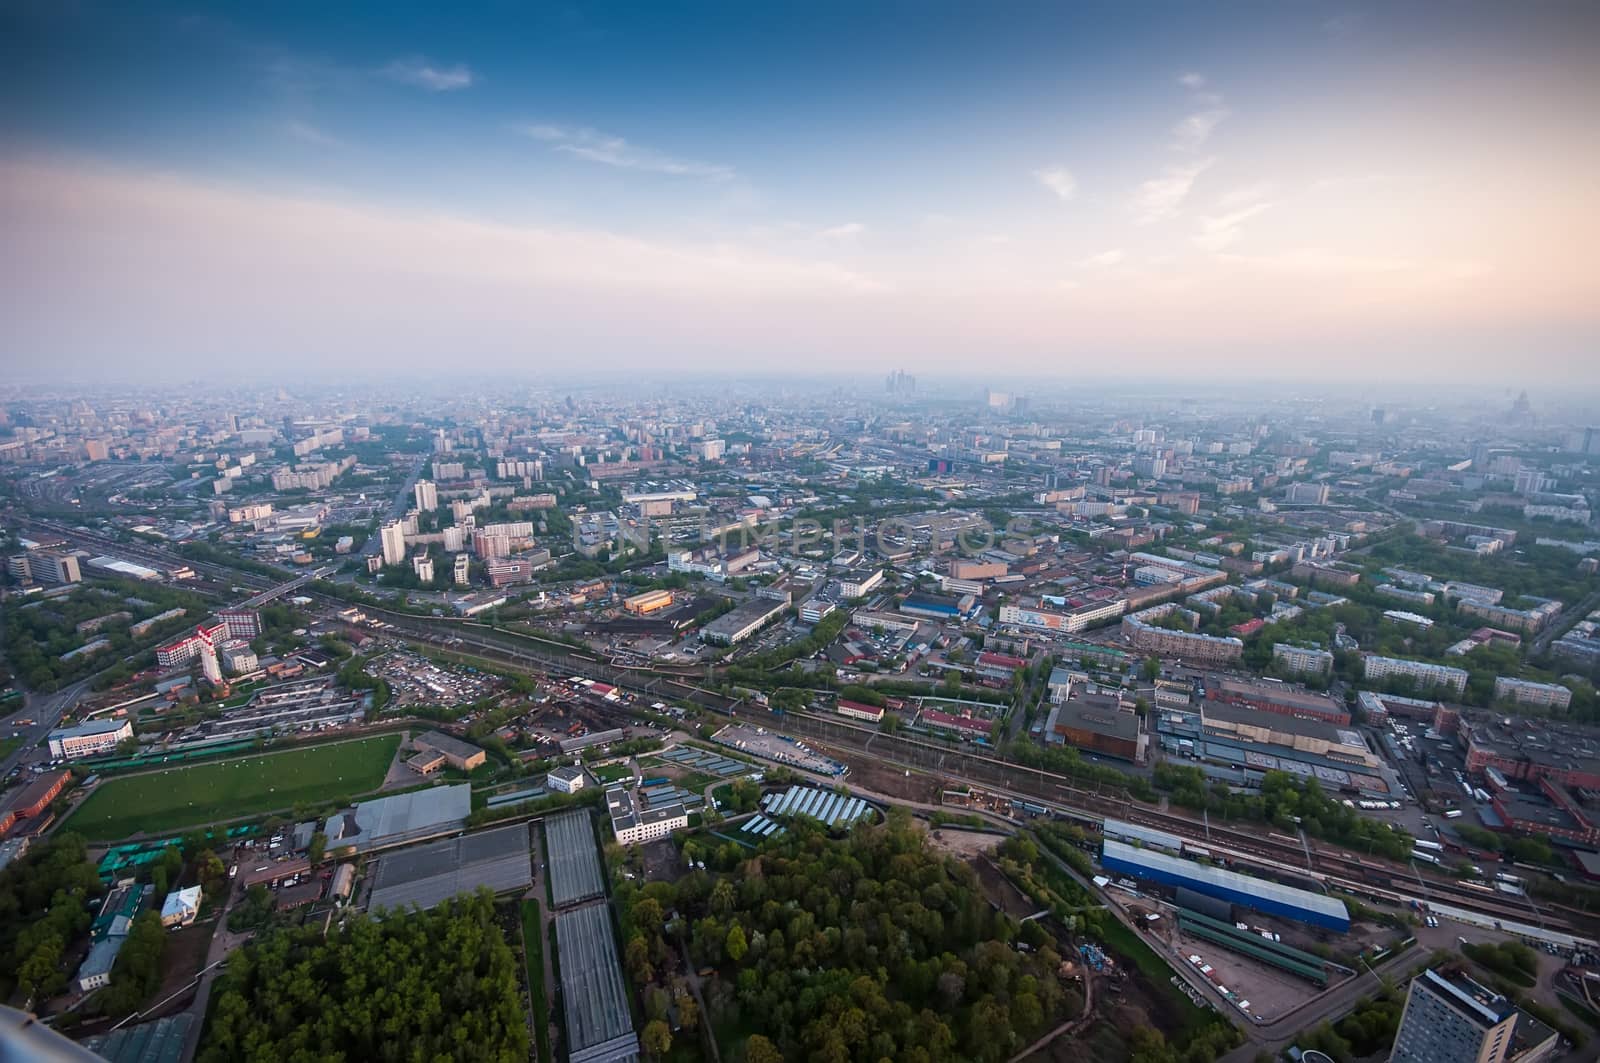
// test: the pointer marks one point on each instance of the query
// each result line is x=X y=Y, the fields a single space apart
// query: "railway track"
x=1303 y=858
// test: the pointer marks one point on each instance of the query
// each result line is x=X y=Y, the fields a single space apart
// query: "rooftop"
x=1327 y=907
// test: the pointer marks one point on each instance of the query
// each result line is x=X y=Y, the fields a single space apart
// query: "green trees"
x=430 y=985
x=44 y=906
x=1286 y=802
x=137 y=971
x=869 y=948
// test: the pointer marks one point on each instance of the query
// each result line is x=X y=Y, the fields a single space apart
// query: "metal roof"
x=1133 y=832
x=1214 y=879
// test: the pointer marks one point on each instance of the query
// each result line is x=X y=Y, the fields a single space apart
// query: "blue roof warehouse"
x=1272 y=898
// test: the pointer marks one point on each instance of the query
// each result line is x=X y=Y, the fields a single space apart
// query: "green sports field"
x=163 y=801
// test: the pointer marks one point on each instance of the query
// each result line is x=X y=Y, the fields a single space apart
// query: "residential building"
x=88 y=739
x=1449 y=1018
x=463 y=570
x=422 y=565
x=1527 y=692
x=392 y=537
x=1426 y=676
x=427 y=494
x=1302 y=660
x=181 y=907
x=1145 y=635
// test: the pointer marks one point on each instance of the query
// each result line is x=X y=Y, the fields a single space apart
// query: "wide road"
x=45 y=710
x=402 y=502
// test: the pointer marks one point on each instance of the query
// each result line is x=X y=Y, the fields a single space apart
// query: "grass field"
x=170 y=800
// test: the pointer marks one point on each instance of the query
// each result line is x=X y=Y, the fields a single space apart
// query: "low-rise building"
x=568 y=779
x=857 y=710
x=89 y=739
x=632 y=826
x=463 y=756
x=181 y=907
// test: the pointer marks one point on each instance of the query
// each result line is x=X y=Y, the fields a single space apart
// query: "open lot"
x=170 y=800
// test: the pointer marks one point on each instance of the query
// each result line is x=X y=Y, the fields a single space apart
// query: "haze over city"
x=1221 y=191
x=890 y=531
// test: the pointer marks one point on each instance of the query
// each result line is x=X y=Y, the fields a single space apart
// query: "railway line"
x=1090 y=802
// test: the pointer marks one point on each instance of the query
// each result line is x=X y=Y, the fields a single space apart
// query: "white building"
x=427 y=496
x=392 y=536
x=564 y=780
x=238 y=658
x=1527 y=692
x=860 y=584
x=422 y=565
x=1425 y=675
x=85 y=740
x=1302 y=660
x=632 y=827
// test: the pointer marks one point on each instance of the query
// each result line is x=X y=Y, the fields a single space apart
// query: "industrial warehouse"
x=1258 y=894
x=424 y=875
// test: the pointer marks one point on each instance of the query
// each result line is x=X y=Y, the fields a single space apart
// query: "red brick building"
x=37 y=795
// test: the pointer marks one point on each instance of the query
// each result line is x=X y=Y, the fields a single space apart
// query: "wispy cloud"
x=310 y=134
x=1105 y=259
x=1244 y=195
x=1191 y=133
x=1161 y=198
x=594 y=146
x=422 y=74
x=1220 y=231
x=848 y=231
x=1192 y=80
x=1059 y=180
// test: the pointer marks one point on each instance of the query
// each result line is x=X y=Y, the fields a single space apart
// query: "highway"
x=46 y=711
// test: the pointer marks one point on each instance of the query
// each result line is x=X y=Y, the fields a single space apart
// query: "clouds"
x=607 y=150
x=420 y=73
x=1059 y=180
x=848 y=231
x=1220 y=231
x=1104 y=260
x=1192 y=131
x=1161 y=198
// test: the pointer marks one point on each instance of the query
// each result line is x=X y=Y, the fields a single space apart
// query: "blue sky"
x=850 y=185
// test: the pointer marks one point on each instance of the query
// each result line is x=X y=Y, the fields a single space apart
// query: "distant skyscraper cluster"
x=900 y=382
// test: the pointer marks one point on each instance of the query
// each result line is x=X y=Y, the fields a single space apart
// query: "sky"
x=1234 y=190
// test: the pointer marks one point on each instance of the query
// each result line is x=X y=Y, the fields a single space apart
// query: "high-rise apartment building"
x=1452 y=1019
x=393 y=538
x=427 y=496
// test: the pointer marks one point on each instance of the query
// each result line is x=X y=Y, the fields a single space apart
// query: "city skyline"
x=1289 y=193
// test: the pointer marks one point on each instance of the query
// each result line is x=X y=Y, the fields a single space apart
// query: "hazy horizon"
x=1361 y=192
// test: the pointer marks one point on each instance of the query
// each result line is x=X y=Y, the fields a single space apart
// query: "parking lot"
x=415 y=680
x=758 y=742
